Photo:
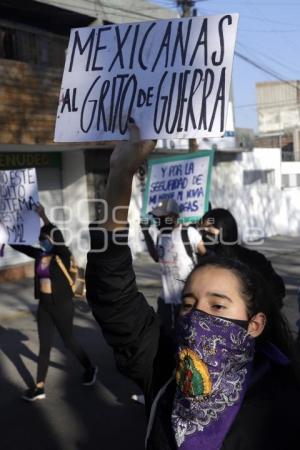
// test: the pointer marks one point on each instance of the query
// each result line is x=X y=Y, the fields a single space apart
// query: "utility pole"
x=187 y=11
x=186 y=7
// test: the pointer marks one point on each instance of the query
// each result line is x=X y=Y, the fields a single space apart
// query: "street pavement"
x=100 y=417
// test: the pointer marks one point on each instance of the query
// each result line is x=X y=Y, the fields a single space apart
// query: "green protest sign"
x=184 y=178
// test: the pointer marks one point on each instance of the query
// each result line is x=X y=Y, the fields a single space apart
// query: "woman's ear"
x=257 y=324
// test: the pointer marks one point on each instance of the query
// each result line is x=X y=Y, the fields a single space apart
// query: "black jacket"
x=61 y=289
x=269 y=414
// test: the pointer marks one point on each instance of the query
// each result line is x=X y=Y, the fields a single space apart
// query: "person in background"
x=231 y=382
x=55 y=308
x=219 y=232
x=175 y=247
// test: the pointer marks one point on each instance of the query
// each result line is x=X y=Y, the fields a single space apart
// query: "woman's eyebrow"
x=188 y=294
x=219 y=295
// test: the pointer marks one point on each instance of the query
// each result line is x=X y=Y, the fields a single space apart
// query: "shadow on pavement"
x=23 y=426
x=16 y=296
x=12 y=345
x=108 y=419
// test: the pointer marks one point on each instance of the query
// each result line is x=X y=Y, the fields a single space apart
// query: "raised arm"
x=128 y=323
x=151 y=247
x=40 y=210
x=27 y=250
x=124 y=162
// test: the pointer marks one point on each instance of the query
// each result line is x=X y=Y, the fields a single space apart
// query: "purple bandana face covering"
x=214 y=360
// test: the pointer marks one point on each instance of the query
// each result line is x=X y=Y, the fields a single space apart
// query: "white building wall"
x=278 y=106
x=264 y=159
x=261 y=209
x=75 y=197
x=135 y=237
x=290 y=167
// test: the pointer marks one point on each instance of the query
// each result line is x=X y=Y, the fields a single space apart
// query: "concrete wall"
x=290 y=172
x=261 y=209
x=278 y=105
x=136 y=240
x=290 y=167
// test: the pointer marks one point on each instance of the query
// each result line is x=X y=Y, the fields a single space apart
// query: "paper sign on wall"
x=19 y=224
x=185 y=179
x=171 y=76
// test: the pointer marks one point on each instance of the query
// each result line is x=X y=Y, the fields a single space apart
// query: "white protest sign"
x=19 y=224
x=185 y=179
x=172 y=76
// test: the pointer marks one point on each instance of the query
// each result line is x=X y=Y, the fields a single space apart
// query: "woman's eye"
x=186 y=306
x=218 y=307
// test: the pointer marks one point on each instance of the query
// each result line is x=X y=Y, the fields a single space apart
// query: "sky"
x=268 y=34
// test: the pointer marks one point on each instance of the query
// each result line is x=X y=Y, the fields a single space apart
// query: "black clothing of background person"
x=58 y=315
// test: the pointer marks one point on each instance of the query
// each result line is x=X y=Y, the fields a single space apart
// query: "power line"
x=97 y=6
x=241 y=56
x=265 y=69
x=260 y=19
x=277 y=61
x=117 y=8
x=262 y=13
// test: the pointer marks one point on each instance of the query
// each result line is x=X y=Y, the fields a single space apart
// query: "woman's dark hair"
x=223 y=220
x=255 y=292
x=54 y=233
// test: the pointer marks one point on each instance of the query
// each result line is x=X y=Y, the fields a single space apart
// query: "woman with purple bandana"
x=228 y=383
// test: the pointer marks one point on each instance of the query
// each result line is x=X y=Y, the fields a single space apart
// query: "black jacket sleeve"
x=59 y=246
x=128 y=323
x=27 y=250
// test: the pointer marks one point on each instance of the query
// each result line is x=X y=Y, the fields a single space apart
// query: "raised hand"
x=129 y=155
x=125 y=161
x=40 y=210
